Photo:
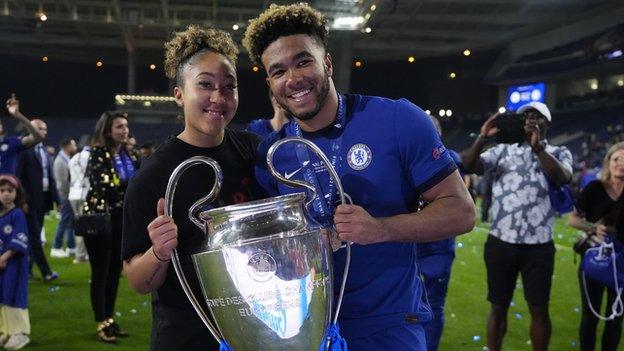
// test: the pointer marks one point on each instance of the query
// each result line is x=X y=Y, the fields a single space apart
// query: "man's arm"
x=61 y=178
x=553 y=168
x=470 y=157
x=147 y=271
x=34 y=137
x=450 y=212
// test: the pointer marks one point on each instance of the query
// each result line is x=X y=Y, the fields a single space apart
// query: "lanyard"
x=323 y=207
x=123 y=165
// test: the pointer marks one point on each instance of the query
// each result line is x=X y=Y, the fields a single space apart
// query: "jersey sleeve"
x=15 y=143
x=253 y=126
x=138 y=211
x=457 y=159
x=421 y=151
x=564 y=156
x=19 y=236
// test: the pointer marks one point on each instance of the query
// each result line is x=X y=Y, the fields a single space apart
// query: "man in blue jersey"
x=11 y=146
x=387 y=154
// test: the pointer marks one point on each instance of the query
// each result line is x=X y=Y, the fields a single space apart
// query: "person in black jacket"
x=34 y=169
x=111 y=166
x=600 y=211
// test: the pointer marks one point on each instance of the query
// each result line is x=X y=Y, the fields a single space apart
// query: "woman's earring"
x=180 y=103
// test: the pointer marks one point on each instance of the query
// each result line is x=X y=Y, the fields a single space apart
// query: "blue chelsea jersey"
x=261 y=127
x=387 y=153
x=14 y=278
x=10 y=147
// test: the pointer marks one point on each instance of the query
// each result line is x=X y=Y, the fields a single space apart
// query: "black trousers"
x=587 y=329
x=34 y=221
x=177 y=329
x=105 y=260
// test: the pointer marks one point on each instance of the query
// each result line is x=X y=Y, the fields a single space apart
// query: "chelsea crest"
x=359 y=156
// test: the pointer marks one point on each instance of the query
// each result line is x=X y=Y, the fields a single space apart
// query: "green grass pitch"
x=62 y=319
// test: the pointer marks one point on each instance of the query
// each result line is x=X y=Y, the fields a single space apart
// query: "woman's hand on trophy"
x=354 y=224
x=163 y=233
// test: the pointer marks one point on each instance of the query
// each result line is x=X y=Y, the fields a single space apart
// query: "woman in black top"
x=110 y=168
x=202 y=63
x=600 y=210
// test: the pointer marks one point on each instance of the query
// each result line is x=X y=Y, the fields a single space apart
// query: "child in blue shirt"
x=14 y=319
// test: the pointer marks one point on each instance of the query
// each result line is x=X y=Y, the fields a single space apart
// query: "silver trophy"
x=264 y=268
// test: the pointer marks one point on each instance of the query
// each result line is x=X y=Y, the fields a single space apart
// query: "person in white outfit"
x=78 y=189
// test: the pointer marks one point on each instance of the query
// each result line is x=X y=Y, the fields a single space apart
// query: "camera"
x=511 y=128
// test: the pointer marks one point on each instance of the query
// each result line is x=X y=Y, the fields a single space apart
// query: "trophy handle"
x=169 y=193
x=296 y=183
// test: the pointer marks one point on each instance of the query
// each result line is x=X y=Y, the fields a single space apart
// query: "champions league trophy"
x=264 y=268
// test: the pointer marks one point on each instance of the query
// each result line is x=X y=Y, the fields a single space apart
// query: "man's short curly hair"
x=283 y=20
x=184 y=45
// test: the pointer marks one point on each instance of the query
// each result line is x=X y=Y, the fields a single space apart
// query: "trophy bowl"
x=266 y=276
x=264 y=268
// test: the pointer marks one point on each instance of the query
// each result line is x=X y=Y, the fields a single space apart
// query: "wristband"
x=158 y=258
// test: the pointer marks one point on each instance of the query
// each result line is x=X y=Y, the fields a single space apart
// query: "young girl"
x=202 y=63
x=14 y=319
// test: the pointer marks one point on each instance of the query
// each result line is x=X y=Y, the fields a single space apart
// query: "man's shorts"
x=504 y=261
x=408 y=337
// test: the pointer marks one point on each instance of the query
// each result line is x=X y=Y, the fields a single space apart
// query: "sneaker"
x=80 y=259
x=58 y=253
x=70 y=252
x=105 y=332
x=117 y=329
x=50 y=277
x=17 y=341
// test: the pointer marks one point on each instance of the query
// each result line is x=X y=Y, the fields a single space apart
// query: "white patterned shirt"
x=521 y=209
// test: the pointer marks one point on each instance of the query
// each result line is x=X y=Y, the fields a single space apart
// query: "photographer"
x=521 y=234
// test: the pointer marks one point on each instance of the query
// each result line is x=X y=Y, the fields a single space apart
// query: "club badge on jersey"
x=359 y=156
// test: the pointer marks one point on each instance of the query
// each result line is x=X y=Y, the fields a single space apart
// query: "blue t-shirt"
x=14 y=279
x=261 y=127
x=10 y=147
x=387 y=153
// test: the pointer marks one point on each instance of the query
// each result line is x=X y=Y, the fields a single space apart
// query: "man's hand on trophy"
x=355 y=225
x=332 y=238
x=163 y=233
